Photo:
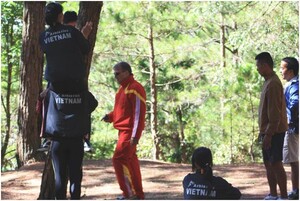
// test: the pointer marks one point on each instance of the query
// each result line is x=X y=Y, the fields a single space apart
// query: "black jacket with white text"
x=68 y=115
x=197 y=187
x=64 y=47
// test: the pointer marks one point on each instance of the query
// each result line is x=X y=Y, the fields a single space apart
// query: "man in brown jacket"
x=272 y=125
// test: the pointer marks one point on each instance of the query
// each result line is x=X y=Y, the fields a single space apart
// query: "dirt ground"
x=161 y=181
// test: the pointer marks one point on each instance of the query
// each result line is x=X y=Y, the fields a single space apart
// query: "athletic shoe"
x=45 y=146
x=122 y=197
x=270 y=197
x=294 y=195
x=88 y=146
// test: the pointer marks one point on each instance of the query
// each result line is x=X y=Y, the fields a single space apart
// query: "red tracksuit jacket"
x=130 y=107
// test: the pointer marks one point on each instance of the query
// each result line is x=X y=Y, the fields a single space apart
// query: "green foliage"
x=103 y=147
x=11 y=33
x=11 y=39
x=70 y=6
x=218 y=105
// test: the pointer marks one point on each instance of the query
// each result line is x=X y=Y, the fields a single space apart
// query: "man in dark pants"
x=69 y=102
x=66 y=123
x=70 y=152
x=70 y=18
x=272 y=125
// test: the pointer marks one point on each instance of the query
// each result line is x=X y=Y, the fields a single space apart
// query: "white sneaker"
x=271 y=197
x=88 y=147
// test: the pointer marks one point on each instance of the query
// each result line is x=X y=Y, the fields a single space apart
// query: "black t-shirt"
x=197 y=187
x=64 y=47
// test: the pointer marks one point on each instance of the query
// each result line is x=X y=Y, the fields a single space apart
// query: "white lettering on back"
x=50 y=38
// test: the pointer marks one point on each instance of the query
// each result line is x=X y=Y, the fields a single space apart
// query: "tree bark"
x=222 y=66
x=31 y=81
x=47 y=189
x=222 y=39
x=182 y=135
x=6 y=103
x=89 y=11
x=254 y=133
x=153 y=98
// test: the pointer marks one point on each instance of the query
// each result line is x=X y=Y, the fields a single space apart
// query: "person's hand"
x=105 y=118
x=267 y=142
x=134 y=141
x=86 y=30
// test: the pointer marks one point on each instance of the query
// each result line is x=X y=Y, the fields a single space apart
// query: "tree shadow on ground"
x=161 y=180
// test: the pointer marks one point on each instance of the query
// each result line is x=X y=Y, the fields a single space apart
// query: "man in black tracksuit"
x=65 y=47
x=68 y=103
x=67 y=121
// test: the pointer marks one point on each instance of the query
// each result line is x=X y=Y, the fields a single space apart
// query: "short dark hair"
x=125 y=66
x=51 y=13
x=293 y=64
x=70 y=16
x=265 y=57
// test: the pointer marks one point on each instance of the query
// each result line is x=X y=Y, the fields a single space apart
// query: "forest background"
x=195 y=60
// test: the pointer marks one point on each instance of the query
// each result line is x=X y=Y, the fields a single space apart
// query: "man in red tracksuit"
x=128 y=116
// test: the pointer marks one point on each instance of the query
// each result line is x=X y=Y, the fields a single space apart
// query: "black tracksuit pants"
x=67 y=156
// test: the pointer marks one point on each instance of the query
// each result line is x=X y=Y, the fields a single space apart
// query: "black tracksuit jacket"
x=68 y=114
x=64 y=47
x=197 y=187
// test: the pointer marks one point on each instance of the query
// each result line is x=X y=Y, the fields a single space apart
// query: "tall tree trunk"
x=153 y=98
x=6 y=103
x=47 y=188
x=88 y=11
x=222 y=66
x=254 y=133
x=31 y=81
x=236 y=50
x=182 y=136
x=222 y=40
x=231 y=133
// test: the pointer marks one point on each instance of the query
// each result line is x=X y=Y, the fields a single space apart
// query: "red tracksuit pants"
x=127 y=167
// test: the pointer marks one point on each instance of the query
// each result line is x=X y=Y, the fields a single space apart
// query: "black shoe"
x=294 y=195
x=45 y=146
